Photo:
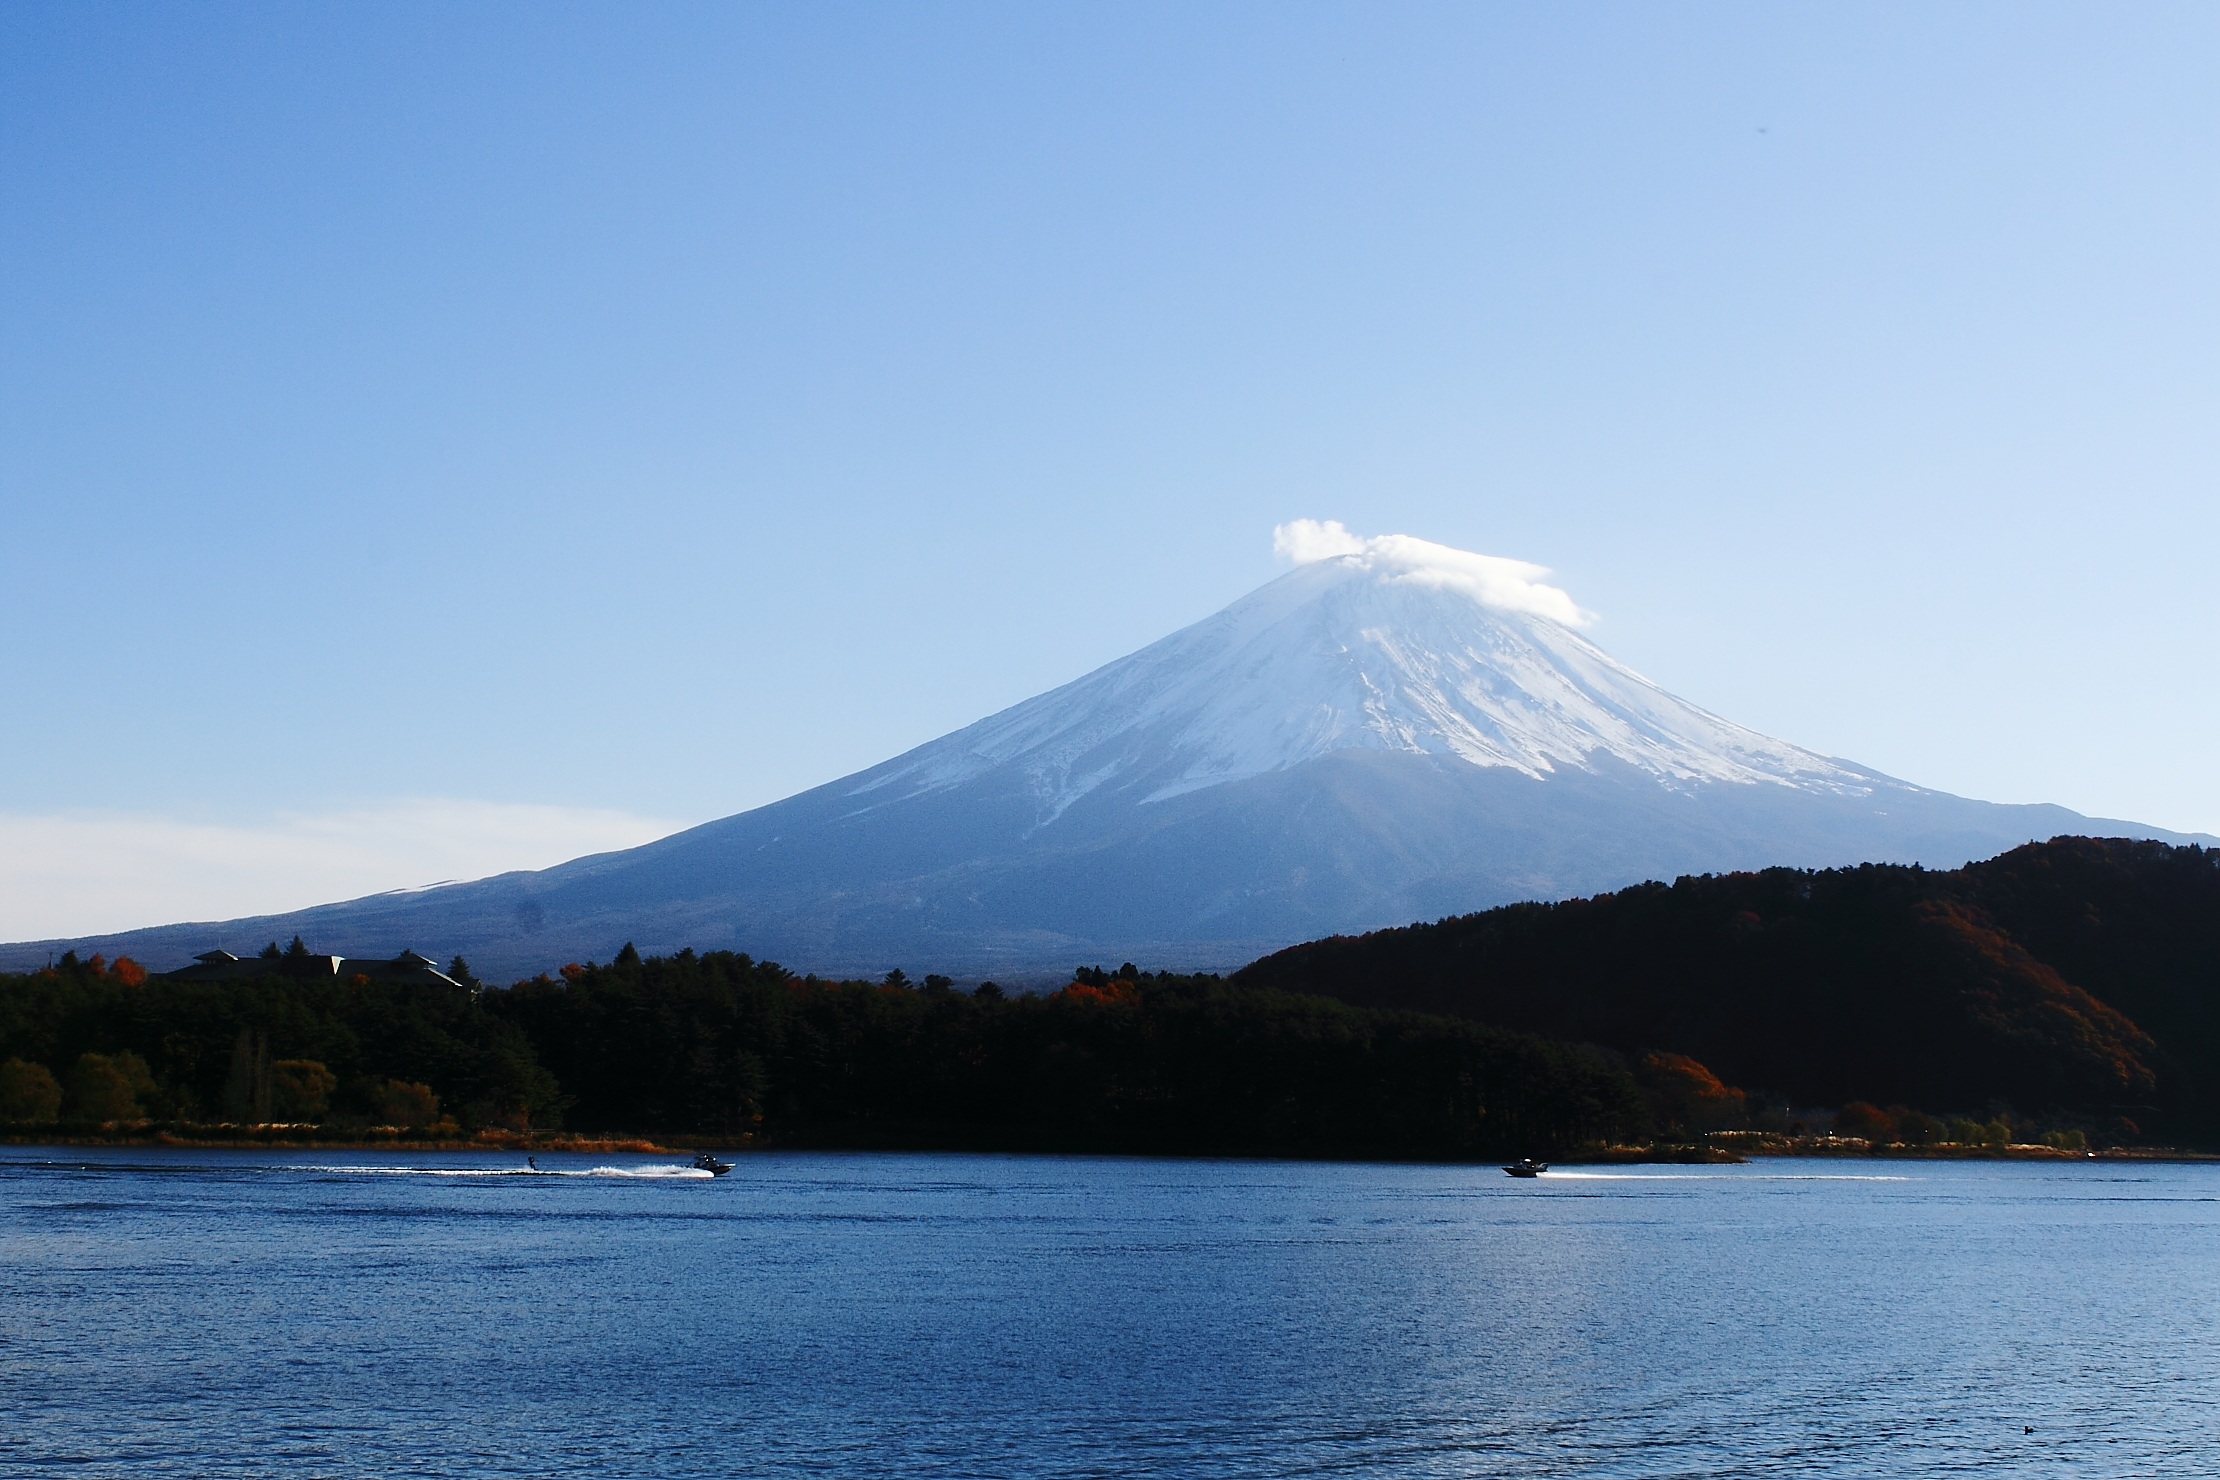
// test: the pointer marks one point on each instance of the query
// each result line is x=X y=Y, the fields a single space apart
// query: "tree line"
x=1114 y=1061
x=726 y=1046
x=94 y=1041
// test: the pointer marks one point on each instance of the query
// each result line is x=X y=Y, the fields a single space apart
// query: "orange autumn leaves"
x=125 y=970
x=1116 y=989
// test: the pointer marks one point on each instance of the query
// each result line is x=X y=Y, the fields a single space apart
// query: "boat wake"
x=661 y=1171
x=1721 y=1176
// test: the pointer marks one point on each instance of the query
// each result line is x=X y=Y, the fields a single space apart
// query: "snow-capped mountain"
x=1393 y=730
x=1391 y=644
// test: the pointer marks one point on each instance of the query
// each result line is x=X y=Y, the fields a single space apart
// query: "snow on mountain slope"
x=1392 y=644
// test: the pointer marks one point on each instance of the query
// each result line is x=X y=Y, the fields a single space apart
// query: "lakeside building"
x=221 y=965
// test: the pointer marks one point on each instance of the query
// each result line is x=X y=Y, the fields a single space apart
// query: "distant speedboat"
x=704 y=1162
x=1526 y=1166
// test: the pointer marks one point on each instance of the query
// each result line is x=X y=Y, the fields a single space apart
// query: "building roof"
x=221 y=965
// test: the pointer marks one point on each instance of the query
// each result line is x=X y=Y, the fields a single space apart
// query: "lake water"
x=348 y=1313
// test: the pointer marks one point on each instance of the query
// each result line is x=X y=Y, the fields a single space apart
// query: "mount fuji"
x=1393 y=730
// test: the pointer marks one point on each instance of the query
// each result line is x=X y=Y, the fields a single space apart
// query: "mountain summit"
x=1395 y=645
x=1393 y=730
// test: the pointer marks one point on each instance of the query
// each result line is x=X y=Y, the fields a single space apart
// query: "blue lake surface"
x=336 y=1313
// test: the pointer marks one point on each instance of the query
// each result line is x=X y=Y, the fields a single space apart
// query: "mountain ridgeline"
x=2078 y=977
x=1395 y=732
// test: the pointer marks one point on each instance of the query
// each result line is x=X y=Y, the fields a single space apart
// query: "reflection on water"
x=209 y=1313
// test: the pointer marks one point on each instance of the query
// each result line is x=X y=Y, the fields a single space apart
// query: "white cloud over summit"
x=1491 y=580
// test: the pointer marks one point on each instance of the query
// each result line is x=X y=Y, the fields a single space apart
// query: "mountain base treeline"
x=722 y=1045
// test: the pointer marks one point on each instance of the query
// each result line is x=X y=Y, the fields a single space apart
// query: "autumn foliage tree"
x=29 y=1094
x=104 y=1087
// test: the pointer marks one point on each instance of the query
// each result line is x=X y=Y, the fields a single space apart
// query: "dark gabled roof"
x=406 y=967
x=221 y=965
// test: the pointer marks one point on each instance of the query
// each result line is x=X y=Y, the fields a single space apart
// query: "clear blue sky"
x=664 y=408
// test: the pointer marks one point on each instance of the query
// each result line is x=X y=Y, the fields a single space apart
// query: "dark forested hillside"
x=2079 y=974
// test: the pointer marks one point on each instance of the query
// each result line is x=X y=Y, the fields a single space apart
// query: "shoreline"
x=301 y=1138
x=1723 y=1149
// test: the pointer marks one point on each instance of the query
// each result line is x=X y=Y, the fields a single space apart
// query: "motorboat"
x=1526 y=1166
x=704 y=1162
